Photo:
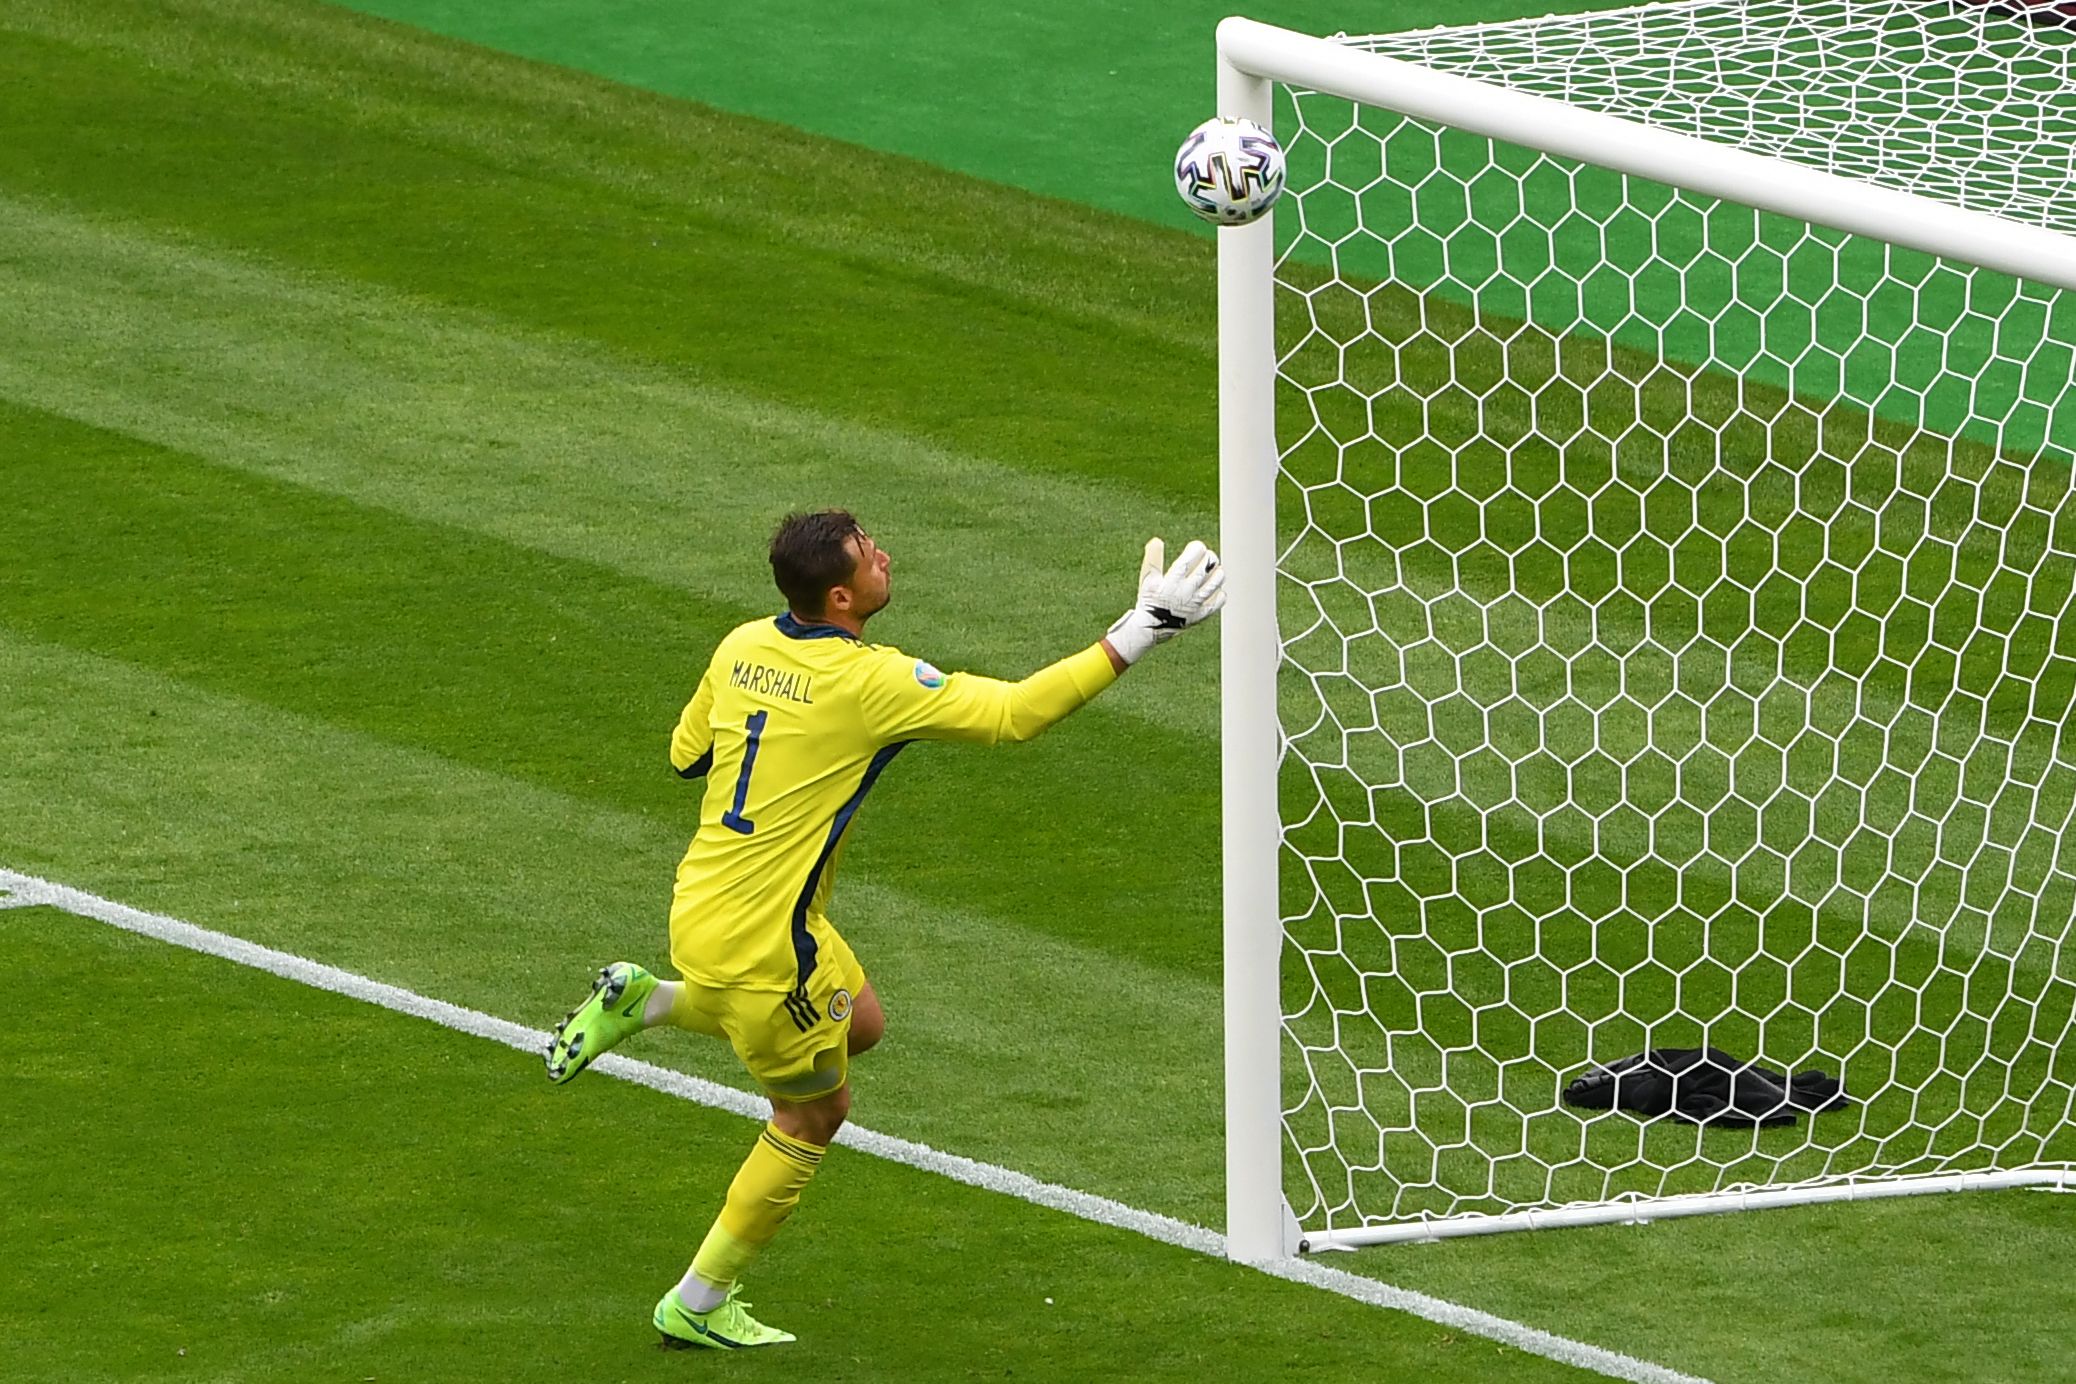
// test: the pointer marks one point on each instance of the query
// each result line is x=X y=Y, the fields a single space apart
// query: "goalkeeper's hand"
x=1171 y=599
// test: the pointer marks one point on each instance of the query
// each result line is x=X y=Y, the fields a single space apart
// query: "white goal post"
x=1652 y=613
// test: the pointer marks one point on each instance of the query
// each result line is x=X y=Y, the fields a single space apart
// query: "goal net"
x=1673 y=550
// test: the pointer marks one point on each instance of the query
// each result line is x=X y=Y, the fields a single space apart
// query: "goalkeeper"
x=791 y=724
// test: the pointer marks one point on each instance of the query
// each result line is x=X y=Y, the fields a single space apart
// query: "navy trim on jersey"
x=698 y=767
x=794 y=629
x=804 y=946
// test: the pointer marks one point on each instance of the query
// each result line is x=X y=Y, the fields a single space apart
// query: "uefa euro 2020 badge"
x=927 y=675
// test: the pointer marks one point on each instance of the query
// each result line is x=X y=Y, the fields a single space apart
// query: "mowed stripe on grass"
x=403 y=865
x=17 y=890
x=284 y=1121
x=1061 y=339
x=558 y=445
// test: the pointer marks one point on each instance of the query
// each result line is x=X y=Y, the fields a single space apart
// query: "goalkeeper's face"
x=871 y=583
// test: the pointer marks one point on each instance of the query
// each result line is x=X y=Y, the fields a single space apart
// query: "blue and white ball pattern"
x=1229 y=171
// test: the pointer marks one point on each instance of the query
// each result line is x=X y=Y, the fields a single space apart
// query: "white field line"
x=23 y=891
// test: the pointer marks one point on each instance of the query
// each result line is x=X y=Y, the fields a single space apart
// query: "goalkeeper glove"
x=1171 y=599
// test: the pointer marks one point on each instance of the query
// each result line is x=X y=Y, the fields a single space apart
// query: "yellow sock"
x=766 y=1189
x=683 y=1012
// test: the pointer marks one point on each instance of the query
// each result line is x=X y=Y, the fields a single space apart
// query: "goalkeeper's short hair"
x=812 y=552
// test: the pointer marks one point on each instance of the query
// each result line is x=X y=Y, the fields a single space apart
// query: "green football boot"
x=595 y=1027
x=728 y=1327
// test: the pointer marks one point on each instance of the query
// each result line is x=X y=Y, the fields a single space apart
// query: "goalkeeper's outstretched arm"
x=913 y=701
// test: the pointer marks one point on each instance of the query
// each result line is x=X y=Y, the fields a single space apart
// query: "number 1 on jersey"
x=733 y=818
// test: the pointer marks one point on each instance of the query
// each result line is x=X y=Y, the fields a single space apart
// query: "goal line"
x=19 y=890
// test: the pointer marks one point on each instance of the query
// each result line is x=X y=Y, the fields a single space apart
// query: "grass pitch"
x=390 y=427
x=264 y=1181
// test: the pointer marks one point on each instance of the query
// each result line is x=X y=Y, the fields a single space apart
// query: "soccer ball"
x=1230 y=172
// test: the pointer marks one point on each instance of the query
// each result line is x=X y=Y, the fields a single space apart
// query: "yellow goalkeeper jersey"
x=791 y=725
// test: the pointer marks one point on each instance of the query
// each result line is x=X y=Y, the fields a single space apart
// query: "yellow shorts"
x=795 y=1044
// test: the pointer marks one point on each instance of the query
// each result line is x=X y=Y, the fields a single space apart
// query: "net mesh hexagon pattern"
x=1676 y=615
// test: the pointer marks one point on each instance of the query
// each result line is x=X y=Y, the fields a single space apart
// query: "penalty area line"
x=27 y=891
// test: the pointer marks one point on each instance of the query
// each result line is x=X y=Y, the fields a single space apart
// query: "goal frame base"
x=1253 y=58
x=1643 y=1211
